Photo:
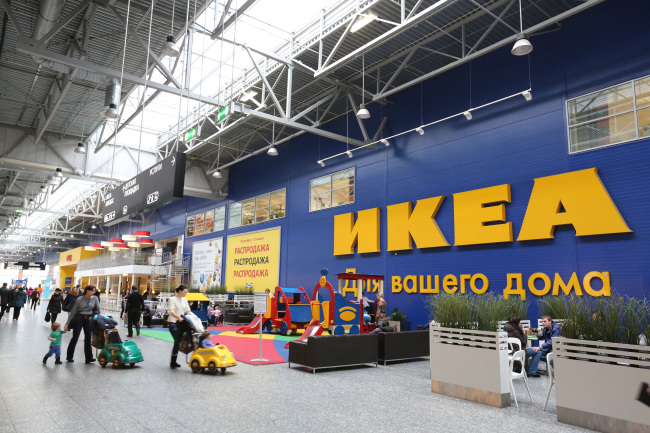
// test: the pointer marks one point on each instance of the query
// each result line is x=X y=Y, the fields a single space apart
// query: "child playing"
x=55 y=345
x=204 y=340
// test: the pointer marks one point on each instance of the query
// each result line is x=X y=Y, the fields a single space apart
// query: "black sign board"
x=25 y=265
x=154 y=187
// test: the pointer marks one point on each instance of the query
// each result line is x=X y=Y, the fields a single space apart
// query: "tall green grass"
x=474 y=312
x=614 y=319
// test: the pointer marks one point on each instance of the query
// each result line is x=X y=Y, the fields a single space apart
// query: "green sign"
x=222 y=114
x=190 y=134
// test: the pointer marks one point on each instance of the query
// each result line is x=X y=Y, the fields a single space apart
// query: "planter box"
x=597 y=383
x=471 y=365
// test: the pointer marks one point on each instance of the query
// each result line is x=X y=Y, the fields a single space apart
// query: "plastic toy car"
x=120 y=354
x=212 y=358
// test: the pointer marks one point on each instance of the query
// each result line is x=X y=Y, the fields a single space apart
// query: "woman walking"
x=54 y=307
x=178 y=306
x=80 y=318
x=20 y=298
x=380 y=314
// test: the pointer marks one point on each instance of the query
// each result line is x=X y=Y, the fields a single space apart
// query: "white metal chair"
x=514 y=346
x=519 y=357
x=551 y=376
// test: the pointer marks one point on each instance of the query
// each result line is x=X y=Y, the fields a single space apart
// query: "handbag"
x=47 y=316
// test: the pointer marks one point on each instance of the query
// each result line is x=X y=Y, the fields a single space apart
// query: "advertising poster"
x=253 y=258
x=206 y=263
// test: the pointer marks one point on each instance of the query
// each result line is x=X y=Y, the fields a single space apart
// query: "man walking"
x=134 y=307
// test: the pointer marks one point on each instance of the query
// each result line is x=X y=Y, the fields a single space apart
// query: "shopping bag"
x=47 y=316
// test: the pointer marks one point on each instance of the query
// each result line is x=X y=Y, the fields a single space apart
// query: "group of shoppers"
x=15 y=298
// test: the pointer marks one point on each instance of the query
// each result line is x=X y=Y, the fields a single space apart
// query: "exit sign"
x=222 y=114
x=190 y=134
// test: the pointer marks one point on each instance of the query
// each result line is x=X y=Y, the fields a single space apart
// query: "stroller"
x=107 y=339
x=190 y=329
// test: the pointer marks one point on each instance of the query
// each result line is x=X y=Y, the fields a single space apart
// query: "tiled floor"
x=273 y=398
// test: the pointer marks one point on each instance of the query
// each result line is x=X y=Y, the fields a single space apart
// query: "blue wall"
x=512 y=142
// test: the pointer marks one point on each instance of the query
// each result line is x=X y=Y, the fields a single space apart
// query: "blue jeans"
x=537 y=355
x=54 y=350
x=173 y=329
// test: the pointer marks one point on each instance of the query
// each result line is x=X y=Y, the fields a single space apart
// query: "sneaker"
x=58 y=361
x=69 y=360
x=44 y=360
x=88 y=361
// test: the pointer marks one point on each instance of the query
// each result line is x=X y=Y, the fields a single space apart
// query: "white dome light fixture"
x=272 y=151
x=321 y=163
x=217 y=174
x=170 y=48
x=363 y=112
x=80 y=148
x=523 y=45
x=468 y=115
x=349 y=153
x=59 y=172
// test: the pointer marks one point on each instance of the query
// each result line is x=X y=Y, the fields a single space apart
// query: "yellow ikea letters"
x=578 y=198
x=471 y=213
x=587 y=206
x=404 y=226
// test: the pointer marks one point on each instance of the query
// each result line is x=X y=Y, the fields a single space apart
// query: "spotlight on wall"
x=272 y=151
x=321 y=163
x=349 y=154
x=217 y=174
x=526 y=94
x=468 y=115
x=80 y=148
x=420 y=131
x=383 y=140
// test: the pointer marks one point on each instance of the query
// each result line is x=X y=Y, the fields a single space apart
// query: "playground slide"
x=314 y=328
x=253 y=327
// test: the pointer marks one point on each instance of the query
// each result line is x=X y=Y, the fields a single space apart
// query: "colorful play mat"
x=244 y=346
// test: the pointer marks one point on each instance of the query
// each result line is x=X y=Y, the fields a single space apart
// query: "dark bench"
x=396 y=346
x=334 y=351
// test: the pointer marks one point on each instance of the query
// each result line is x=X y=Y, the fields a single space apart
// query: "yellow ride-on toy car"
x=212 y=358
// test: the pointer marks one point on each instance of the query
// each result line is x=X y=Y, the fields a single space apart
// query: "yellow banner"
x=253 y=258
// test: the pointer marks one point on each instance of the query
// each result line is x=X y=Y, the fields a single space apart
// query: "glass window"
x=219 y=218
x=189 y=227
x=333 y=190
x=198 y=224
x=208 y=222
x=235 y=215
x=609 y=116
x=259 y=209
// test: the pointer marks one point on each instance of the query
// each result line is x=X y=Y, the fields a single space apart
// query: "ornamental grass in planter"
x=599 y=361
x=479 y=312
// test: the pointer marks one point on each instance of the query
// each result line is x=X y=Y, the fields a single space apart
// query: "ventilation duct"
x=49 y=13
x=111 y=99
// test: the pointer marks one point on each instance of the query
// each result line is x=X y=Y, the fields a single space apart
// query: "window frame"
x=194 y=218
x=331 y=190
x=635 y=109
x=254 y=213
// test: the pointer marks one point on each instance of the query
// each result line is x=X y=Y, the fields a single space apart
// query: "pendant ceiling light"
x=217 y=174
x=363 y=112
x=523 y=45
x=142 y=234
x=128 y=238
x=272 y=151
x=133 y=244
x=170 y=48
x=80 y=148
x=59 y=172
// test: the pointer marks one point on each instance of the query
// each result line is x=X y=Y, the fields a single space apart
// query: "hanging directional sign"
x=25 y=265
x=158 y=185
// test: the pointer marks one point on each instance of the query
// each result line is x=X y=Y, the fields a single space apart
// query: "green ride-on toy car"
x=120 y=354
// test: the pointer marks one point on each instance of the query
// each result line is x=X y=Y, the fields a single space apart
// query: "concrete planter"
x=471 y=365
x=597 y=385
